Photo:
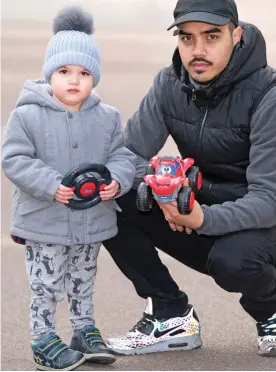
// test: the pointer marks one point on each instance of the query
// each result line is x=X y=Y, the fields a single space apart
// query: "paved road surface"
x=134 y=45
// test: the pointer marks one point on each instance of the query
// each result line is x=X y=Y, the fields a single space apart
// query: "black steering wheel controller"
x=86 y=186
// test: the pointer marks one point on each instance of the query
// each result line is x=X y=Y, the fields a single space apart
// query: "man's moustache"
x=200 y=60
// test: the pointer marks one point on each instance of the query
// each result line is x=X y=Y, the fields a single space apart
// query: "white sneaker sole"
x=175 y=344
x=268 y=353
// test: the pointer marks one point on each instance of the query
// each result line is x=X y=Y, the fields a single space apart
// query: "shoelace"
x=142 y=323
x=270 y=325
x=269 y=329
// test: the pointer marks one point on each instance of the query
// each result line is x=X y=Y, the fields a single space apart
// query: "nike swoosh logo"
x=158 y=333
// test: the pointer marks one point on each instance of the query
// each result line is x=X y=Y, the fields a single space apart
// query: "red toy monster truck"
x=164 y=180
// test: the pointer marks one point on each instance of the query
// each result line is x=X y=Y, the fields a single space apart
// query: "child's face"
x=71 y=85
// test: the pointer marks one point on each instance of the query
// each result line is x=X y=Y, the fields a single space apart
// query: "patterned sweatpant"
x=56 y=270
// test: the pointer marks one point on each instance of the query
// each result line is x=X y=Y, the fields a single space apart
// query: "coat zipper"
x=199 y=140
x=193 y=94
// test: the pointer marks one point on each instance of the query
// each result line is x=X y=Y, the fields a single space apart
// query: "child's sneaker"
x=51 y=354
x=88 y=341
x=267 y=337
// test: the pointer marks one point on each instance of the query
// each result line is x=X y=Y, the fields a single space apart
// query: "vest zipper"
x=201 y=130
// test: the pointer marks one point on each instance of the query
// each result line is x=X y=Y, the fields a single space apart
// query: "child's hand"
x=110 y=190
x=63 y=194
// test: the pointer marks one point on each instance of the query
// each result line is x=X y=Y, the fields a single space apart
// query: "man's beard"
x=206 y=82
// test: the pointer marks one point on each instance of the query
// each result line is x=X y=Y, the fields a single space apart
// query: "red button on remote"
x=87 y=189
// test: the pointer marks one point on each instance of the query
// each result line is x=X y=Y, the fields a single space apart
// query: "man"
x=218 y=102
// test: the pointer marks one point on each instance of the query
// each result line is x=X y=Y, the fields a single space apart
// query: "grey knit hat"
x=72 y=43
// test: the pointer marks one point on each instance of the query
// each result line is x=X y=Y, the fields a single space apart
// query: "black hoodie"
x=234 y=147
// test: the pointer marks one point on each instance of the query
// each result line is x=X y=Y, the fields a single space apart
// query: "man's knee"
x=246 y=274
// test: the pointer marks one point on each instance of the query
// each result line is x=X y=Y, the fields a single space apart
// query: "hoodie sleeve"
x=20 y=164
x=146 y=132
x=121 y=161
x=257 y=209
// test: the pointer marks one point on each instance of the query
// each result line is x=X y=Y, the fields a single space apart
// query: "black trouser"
x=243 y=262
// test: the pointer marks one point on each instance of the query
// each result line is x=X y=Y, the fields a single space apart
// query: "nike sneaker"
x=267 y=337
x=152 y=335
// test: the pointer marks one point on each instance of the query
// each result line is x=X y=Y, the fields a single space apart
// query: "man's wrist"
x=202 y=226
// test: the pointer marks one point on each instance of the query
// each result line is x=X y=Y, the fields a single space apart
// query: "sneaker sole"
x=70 y=368
x=100 y=358
x=271 y=353
x=177 y=344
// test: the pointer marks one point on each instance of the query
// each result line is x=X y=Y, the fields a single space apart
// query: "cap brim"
x=204 y=17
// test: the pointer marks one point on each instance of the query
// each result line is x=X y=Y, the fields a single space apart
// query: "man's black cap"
x=215 y=12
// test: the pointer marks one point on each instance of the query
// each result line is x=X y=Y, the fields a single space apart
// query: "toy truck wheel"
x=185 y=200
x=150 y=169
x=144 y=198
x=195 y=179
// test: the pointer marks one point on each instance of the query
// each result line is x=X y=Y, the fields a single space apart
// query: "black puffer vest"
x=213 y=126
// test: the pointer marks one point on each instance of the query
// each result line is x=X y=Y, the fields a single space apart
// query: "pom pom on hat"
x=73 y=19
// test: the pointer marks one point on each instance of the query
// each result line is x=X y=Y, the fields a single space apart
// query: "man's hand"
x=110 y=190
x=63 y=194
x=179 y=221
x=179 y=228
